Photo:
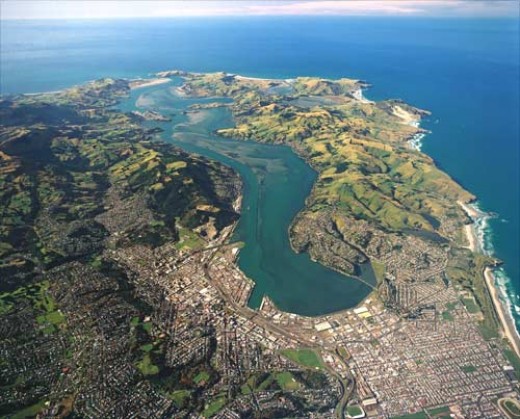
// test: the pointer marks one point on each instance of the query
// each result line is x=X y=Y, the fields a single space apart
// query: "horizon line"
x=100 y=18
x=152 y=9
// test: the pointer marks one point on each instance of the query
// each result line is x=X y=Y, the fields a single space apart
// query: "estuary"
x=276 y=184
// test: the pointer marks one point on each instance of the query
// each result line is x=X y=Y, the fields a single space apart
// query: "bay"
x=276 y=183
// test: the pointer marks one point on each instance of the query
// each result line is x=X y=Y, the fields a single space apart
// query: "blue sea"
x=465 y=71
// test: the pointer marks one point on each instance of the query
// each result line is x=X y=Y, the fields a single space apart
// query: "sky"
x=101 y=9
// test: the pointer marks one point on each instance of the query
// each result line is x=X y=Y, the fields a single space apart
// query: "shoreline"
x=139 y=83
x=469 y=228
x=506 y=320
x=238 y=76
x=358 y=94
x=503 y=310
x=415 y=140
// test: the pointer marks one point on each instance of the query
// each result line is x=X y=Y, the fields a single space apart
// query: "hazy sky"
x=77 y=9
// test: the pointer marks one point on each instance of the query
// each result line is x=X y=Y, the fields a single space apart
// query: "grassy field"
x=286 y=381
x=201 y=377
x=470 y=305
x=354 y=411
x=446 y=315
x=179 y=397
x=468 y=368
x=258 y=382
x=146 y=365
x=440 y=412
x=305 y=357
x=379 y=270
x=437 y=413
x=214 y=406
x=418 y=415
x=511 y=407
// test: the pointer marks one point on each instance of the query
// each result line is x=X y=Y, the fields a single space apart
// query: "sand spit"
x=138 y=83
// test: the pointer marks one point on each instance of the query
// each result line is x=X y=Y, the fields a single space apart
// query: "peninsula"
x=376 y=197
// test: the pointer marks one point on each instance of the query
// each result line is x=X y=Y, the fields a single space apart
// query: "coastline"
x=358 y=94
x=476 y=244
x=415 y=141
x=508 y=326
x=476 y=237
x=471 y=238
x=139 y=83
x=469 y=228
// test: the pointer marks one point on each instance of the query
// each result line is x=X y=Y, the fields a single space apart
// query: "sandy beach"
x=507 y=323
x=136 y=84
x=469 y=229
x=470 y=235
x=358 y=94
x=472 y=213
x=407 y=117
x=508 y=326
x=250 y=78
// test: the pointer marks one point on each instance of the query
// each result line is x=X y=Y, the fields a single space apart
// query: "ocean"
x=465 y=71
